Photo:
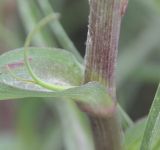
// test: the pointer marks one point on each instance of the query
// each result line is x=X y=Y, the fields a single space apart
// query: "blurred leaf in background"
x=35 y=124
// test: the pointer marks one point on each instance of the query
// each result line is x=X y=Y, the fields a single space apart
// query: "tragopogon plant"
x=60 y=75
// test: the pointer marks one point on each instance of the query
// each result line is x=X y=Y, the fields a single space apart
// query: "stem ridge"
x=100 y=62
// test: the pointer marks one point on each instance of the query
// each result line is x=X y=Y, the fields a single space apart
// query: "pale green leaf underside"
x=92 y=93
x=53 y=66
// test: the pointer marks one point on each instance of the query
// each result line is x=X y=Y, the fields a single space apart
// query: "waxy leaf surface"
x=53 y=66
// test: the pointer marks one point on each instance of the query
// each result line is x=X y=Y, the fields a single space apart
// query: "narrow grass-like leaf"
x=156 y=135
x=134 y=135
x=53 y=138
x=30 y=15
x=150 y=129
x=76 y=135
x=59 y=32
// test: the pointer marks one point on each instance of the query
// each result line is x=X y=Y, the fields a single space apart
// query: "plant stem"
x=102 y=42
x=101 y=53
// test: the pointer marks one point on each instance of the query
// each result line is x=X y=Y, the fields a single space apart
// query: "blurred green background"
x=37 y=124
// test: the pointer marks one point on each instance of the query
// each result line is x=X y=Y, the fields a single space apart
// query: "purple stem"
x=100 y=61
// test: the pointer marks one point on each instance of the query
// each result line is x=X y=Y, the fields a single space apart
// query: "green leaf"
x=156 y=135
x=27 y=123
x=134 y=135
x=144 y=135
x=30 y=15
x=53 y=139
x=152 y=127
x=50 y=65
x=92 y=93
x=59 y=32
x=74 y=125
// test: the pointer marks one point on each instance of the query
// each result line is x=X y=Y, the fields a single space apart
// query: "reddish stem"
x=100 y=60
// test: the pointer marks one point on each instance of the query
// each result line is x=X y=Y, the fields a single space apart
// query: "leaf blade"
x=152 y=118
x=64 y=65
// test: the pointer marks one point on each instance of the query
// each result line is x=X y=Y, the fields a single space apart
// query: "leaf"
x=53 y=66
x=74 y=125
x=144 y=135
x=134 y=135
x=156 y=135
x=27 y=123
x=53 y=139
x=46 y=62
x=152 y=127
x=59 y=32
x=29 y=12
